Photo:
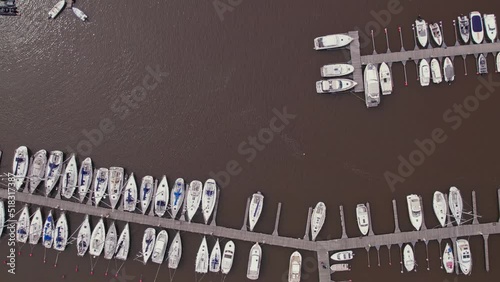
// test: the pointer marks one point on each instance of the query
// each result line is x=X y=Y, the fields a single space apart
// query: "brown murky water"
x=65 y=80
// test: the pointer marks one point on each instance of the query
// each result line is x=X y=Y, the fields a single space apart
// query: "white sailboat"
x=436 y=71
x=490 y=26
x=23 y=225
x=424 y=73
x=160 y=247
x=148 y=242
x=254 y=260
x=83 y=237
x=227 y=257
x=123 y=245
x=342 y=256
x=56 y=9
x=294 y=268
x=37 y=170
x=362 y=218
x=175 y=252
x=97 y=239
x=215 y=258
x=440 y=207
x=100 y=184
x=110 y=242
x=193 y=197
x=115 y=185
x=146 y=192
x=464 y=256
x=201 y=265
x=456 y=204
x=130 y=194
x=408 y=258
x=20 y=166
x=177 y=196
x=317 y=219
x=448 y=259
x=48 y=231
x=415 y=210
x=208 y=199
x=61 y=233
x=85 y=178
x=385 y=79
x=36 y=227
x=161 y=197
x=421 y=30
x=53 y=170
x=448 y=70
x=256 y=205
x=70 y=178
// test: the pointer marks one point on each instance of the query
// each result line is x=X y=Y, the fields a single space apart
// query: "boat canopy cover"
x=477 y=25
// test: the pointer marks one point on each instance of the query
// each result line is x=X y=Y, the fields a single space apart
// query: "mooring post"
x=396 y=221
x=342 y=222
x=370 y=226
x=486 y=252
x=308 y=224
x=153 y=199
x=474 y=208
x=277 y=221
x=448 y=217
x=245 y=217
x=422 y=211
x=214 y=218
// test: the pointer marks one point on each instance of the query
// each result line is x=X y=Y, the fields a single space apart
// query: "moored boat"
x=177 y=196
x=415 y=210
x=362 y=218
x=340 y=267
x=123 y=245
x=456 y=204
x=448 y=259
x=110 y=242
x=490 y=26
x=408 y=258
x=334 y=85
x=97 y=239
x=371 y=84
x=2 y=217
x=294 y=268
x=85 y=178
x=482 y=64
x=23 y=225
x=436 y=33
x=440 y=207
x=48 y=231
x=201 y=265
x=477 y=29
x=227 y=257
x=36 y=227
x=56 y=9
x=342 y=256
x=256 y=205
x=336 y=70
x=448 y=70
x=146 y=192
x=160 y=247
x=254 y=260
x=70 y=178
x=464 y=256
x=208 y=199
x=161 y=197
x=79 y=13
x=83 y=237
x=193 y=198
x=436 y=71
x=148 y=242
x=115 y=185
x=332 y=41
x=37 y=170
x=130 y=194
x=215 y=258
x=318 y=217
x=20 y=166
x=498 y=62
x=385 y=79
x=464 y=28
x=61 y=233
x=100 y=184
x=175 y=252
x=424 y=73
x=53 y=170
x=421 y=30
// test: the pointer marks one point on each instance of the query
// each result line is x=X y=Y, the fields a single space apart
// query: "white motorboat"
x=201 y=265
x=161 y=197
x=48 y=231
x=70 y=178
x=177 y=196
x=490 y=26
x=340 y=267
x=215 y=258
x=36 y=227
x=421 y=30
x=37 y=170
x=160 y=247
x=53 y=170
x=83 y=237
x=208 y=199
x=97 y=239
x=448 y=259
x=130 y=194
x=440 y=207
x=61 y=233
x=85 y=178
x=424 y=72
x=79 y=13
x=436 y=33
x=332 y=41
x=456 y=204
x=20 y=166
x=115 y=185
x=256 y=205
x=110 y=242
x=498 y=62
x=436 y=71
x=23 y=225
x=477 y=29
x=56 y=9
x=372 y=88
x=334 y=85
x=464 y=28
x=148 y=243
x=123 y=245
x=415 y=210
x=342 y=256
x=227 y=257
x=385 y=79
x=464 y=256
x=193 y=198
x=2 y=217
x=362 y=218
x=100 y=184
x=408 y=258
x=482 y=64
x=336 y=70
x=448 y=70
x=175 y=252
x=146 y=192
x=318 y=217
x=254 y=260
x=294 y=268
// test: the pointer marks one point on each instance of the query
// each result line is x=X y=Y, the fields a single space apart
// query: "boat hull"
x=254 y=261
x=215 y=258
x=193 y=198
x=318 y=217
x=448 y=259
x=85 y=178
x=362 y=218
x=148 y=242
x=255 y=209
x=160 y=247
x=424 y=73
x=436 y=71
x=37 y=170
x=175 y=252
x=162 y=197
x=440 y=207
x=227 y=257
x=97 y=239
x=408 y=258
x=208 y=199
x=477 y=28
x=456 y=204
x=177 y=196
x=201 y=265
x=83 y=237
x=123 y=244
x=385 y=79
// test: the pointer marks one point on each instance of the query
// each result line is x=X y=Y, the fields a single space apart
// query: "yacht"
x=115 y=185
x=123 y=245
x=408 y=258
x=448 y=70
x=56 y=9
x=464 y=28
x=2 y=217
x=110 y=242
x=436 y=33
x=448 y=259
x=215 y=258
x=424 y=72
x=342 y=256
x=256 y=205
x=85 y=178
x=83 y=237
x=146 y=192
x=332 y=41
x=201 y=265
x=193 y=198
x=161 y=197
x=317 y=219
x=294 y=269
x=70 y=178
x=37 y=170
x=385 y=79
x=208 y=199
x=97 y=239
x=175 y=252
x=436 y=71
x=340 y=267
x=415 y=210
x=148 y=242
x=440 y=207
x=53 y=170
x=336 y=70
x=334 y=85
x=48 y=231
x=100 y=184
x=362 y=218
x=456 y=204
x=160 y=247
x=477 y=30
x=254 y=260
x=490 y=26
x=20 y=166
x=36 y=226
x=227 y=257
x=23 y=225
x=79 y=13
x=464 y=256
x=130 y=194
x=482 y=64
x=372 y=88
x=61 y=233
x=177 y=197
x=421 y=30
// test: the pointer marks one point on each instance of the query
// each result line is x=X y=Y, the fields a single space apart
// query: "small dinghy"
x=100 y=184
x=61 y=233
x=37 y=170
x=193 y=198
x=56 y=9
x=48 y=231
x=421 y=30
x=464 y=256
x=436 y=71
x=440 y=207
x=97 y=239
x=227 y=257
x=123 y=245
x=70 y=178
x=53 y=170
x=294 y=268
x=146 y=192
x=343 y=256
x=255 y=209
x=110 y=242
x=130 y=194
x=464 y=28
x=254 y=260
x=336 y=70
x=208 y=199
x=215 y=258
x=477 y=29
x=490 y=26
x=456 y=204
x=201 y=265
x=148 y=242
x=385 y=79
x=362 y=218
x=448 y=259
x=115 y=185
x=23 y=225
x=2 y=217
x=175 y=252
x=436 y=33
x=79 y=13
x=85 y=178
x=408 y=258
x=160 y=247
x=317 y=219
x=36 y=227
x=340 y=267
x=482 y=64
x=161 y=197
x=20 y=166
x=83 y=237
x=177 y=197
x=415 y=210
x=448 y=70
x=424 y=72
